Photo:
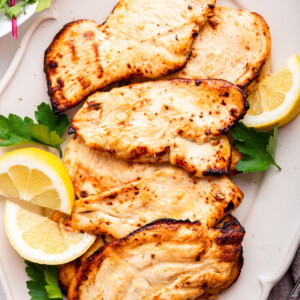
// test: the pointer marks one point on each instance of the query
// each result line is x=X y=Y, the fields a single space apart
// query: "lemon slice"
x=40 y=178
x=277 y=98
x=41 y=240
x=36 y=176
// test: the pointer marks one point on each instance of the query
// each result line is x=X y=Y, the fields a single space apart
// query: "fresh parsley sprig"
x=258 y=148
x=44 y=281
x=47 y=131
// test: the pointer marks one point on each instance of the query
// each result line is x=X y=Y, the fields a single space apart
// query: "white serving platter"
x=270 y=210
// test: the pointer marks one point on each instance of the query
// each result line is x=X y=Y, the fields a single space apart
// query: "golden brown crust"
x=261 y=68
x=137 y=40
x=51 y=63
x=166 y=240
x=234 y=275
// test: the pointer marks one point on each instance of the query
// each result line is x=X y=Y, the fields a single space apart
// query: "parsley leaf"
x=49 y=130
x=43 y=135
x=36 y=290
x=14 y=130
x=258 y=148
x=45 y=116
x=52 y=286
x=44 y=282
x=271 y=147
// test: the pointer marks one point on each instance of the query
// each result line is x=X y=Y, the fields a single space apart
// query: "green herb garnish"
x=258 y=148
x=44 y=281
x=47 y=131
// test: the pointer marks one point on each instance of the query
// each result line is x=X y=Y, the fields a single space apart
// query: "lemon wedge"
x=277 y=98
x=36 y=176
x=37 y=183
x=41 y=240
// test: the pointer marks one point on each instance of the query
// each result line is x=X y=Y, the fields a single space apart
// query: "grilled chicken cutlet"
x=166 y=193
x=93 y=172
x=177 y=121
x=166 y=259
x=234 y=45
x=129 y=195
x=139 y=39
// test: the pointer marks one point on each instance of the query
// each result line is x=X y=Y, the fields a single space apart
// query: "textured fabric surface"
x=284 y=287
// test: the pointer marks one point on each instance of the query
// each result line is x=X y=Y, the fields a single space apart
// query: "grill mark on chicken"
x=73 y=49
x=90 y=35
x=96 y=50
x=161 y=245
x=97 y=60
x=148 y=122
x=128 y=37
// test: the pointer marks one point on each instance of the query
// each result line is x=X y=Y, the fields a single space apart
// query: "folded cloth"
x=284 y=287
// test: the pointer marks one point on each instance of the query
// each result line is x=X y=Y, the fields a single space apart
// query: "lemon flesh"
x=40 y=179
x=36 y=176
x=41 y=240
x=277 y=98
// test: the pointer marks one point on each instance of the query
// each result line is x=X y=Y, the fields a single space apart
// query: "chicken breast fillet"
x=139 y=39
x=166 y=259
x=93 y=172
x=167 y=193
x=234 y=45
x=177 y=121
